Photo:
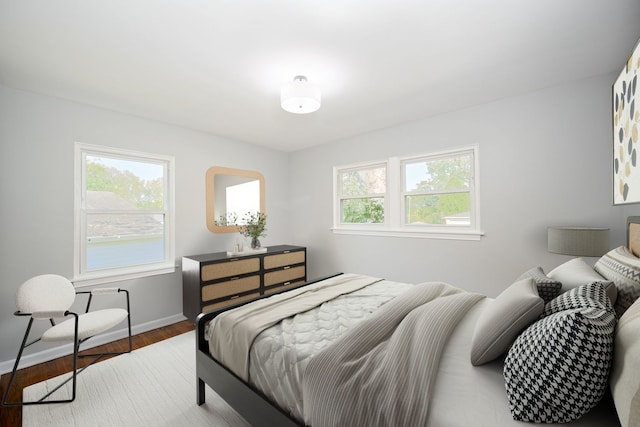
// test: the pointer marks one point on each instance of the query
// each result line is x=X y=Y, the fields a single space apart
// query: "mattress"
x=462 y=395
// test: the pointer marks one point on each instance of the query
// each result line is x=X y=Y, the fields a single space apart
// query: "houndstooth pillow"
x=581 y=297
x=557 y=370
x=548 y=288
x=622 y=268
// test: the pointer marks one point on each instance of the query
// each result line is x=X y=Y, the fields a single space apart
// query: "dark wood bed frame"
x=250 y=403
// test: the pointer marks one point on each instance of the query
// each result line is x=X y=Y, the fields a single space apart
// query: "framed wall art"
x=626 y=132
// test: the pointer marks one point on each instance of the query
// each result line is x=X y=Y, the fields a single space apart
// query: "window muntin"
x=362 y=194
x=124 y=214
x=429 y=195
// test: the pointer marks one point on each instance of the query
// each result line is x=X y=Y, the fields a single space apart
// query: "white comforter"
x=280 y=354
x=234 y=331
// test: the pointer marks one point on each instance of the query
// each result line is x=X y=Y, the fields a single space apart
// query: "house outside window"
x=432 y=195
x=123 y=214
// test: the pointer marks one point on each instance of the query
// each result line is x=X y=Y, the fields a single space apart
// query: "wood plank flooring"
x=12 y=416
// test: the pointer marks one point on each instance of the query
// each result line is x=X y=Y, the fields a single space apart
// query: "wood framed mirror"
x=231 y=193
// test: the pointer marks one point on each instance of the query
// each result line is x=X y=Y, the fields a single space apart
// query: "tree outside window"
x=437 y=191
x=362 y=194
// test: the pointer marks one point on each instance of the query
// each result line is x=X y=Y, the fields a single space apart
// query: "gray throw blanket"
x=380 y=373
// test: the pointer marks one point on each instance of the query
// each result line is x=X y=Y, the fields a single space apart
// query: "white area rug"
x=153 y=386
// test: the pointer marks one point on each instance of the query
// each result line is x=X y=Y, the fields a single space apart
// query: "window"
x=124 y=214
x=428 y=195
x=362 y=194
x=437 y=189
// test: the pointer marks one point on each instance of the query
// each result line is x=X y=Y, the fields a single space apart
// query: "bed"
x=349 y=349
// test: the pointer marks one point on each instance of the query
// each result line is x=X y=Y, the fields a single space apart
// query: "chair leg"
x=128 y=318
x=15 y=365
x=113 y=353
x=41 y=401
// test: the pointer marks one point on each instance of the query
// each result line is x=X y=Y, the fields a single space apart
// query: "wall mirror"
x=231 y=193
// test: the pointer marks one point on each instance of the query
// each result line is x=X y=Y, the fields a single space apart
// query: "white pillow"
x=576 y=272
x=625 y=370
x=623 y=268
x=510 y=313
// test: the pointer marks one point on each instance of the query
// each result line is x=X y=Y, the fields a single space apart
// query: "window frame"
x=83 y=277
x=393 y=225
x=339 y=198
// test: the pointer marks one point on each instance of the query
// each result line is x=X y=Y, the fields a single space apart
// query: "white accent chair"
x=49 y=297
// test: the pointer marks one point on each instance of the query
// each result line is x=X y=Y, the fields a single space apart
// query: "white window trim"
x=392 y=227
x=81 y=278
x=336 y=199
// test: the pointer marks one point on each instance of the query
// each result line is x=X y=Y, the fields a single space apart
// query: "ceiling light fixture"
x=300 y=96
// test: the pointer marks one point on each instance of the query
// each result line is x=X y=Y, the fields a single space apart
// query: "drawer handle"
x=286 y=252
x=234 y=297
x=287 y=267
x=286 y=283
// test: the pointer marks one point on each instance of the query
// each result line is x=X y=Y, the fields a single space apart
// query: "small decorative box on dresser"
x=216 y=280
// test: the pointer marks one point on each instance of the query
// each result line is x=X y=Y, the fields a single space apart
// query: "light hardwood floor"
x=12 y=416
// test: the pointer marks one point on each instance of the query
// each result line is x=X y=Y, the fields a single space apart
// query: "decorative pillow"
x=557 y=369
x=504 y=318
x=581 y=297
x=548 y=288
x=623 y=269
x=625 y=372
x=576 y=272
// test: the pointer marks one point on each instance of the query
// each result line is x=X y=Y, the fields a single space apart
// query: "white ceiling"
x=217 y=66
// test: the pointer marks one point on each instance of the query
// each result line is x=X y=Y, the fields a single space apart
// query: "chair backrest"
x=48 y=292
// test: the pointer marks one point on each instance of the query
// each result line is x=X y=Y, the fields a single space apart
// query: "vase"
x=255 y=243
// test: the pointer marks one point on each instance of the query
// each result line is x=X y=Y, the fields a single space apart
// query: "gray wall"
x=545 y=159
x=37 y=136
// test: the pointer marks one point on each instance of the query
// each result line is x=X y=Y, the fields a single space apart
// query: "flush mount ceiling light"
x=300 y=96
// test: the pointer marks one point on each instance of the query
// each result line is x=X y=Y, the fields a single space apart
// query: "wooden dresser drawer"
x=280 y=260
x=285 y=275
x=230 y=269
x=231 y=287
x=211 y=307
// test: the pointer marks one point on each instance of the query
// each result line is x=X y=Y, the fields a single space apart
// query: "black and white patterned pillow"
x=581 y=297
x=548 y=288
x=557 y=370
x=623 y=268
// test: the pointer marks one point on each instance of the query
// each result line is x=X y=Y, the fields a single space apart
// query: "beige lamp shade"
x=578 y=241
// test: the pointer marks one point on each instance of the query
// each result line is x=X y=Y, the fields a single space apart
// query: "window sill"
x=100 y=278
x=414 y=234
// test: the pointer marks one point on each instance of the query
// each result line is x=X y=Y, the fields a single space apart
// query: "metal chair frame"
x=76 y=348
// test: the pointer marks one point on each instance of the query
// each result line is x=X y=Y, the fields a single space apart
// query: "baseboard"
x=64 y=350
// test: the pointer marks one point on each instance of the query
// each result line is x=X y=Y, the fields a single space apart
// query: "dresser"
x=216 y=280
